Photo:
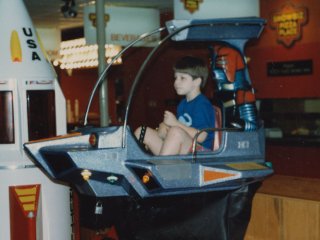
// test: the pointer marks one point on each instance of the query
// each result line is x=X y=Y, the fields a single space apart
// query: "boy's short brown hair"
x=193 y=66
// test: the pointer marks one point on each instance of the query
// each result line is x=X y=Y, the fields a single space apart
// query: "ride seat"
x=218 y=124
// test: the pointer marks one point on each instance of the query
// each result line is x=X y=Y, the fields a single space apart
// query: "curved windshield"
x=6 y=117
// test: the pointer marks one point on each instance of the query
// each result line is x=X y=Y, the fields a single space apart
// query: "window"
x=6 y=117
x=291 y=118
x=41 y=114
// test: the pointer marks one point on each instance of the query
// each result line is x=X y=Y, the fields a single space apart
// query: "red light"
x=93 y=140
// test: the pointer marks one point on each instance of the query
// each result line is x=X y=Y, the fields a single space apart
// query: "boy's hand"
x=170 y=119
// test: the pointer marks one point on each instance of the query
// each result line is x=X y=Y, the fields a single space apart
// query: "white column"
x=217 y=9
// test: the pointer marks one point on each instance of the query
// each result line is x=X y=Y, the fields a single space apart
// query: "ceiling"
x=47 y=13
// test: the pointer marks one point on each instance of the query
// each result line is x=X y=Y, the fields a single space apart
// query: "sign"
x=123 y=25
x=191 y=5
x=288 y=22
x=289 y=68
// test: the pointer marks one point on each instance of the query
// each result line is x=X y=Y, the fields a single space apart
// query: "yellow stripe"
x=15 y=47
x=29 y=207
x=246 y=166
x=26 y=199
x=26 y=191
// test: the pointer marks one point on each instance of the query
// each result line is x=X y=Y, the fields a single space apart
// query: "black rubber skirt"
x=220 y=215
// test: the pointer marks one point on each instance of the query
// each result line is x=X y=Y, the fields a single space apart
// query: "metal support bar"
x=101 y=41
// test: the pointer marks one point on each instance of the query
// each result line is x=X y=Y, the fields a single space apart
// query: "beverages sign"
x=123 y=25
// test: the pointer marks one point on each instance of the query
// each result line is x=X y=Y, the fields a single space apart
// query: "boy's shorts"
x=199 y=148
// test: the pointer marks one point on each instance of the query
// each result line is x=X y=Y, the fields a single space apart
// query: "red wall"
x=268 y=49
x=288 y=159
x=299 y=161
x=80 y=83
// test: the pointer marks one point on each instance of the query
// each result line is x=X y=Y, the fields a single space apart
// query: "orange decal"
x=23 y=211
x=15 y=47
x=211 y=175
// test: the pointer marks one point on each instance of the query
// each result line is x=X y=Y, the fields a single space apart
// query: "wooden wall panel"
x=264 y=219
x=282 y=218
x=286 y=208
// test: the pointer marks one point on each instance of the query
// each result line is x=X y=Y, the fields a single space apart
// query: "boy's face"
x=184 y=83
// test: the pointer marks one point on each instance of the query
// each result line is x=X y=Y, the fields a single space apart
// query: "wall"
x=287 y=158
x=294 y=160
x=268 y=49
x=77 y=85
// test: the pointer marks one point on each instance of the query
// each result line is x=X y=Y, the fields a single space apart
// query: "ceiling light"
x=75 y=54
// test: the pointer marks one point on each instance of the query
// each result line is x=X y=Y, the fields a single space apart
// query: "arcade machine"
x=204 y=195
x=32 y=106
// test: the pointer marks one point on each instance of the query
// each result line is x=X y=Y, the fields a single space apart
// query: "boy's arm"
x=171 y=120
x=193 y=131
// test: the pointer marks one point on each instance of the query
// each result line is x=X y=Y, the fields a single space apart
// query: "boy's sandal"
x=142 y=133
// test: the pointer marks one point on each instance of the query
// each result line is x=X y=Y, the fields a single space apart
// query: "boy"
x=195 y=112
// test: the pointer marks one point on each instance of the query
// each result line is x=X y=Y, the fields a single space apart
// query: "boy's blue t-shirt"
x=198 y=113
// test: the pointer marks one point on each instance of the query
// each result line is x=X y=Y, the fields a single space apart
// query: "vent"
x=58 y=163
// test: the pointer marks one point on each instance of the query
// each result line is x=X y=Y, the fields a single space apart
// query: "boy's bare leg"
x=151 y=139
x=177 y=142
x=162 y=130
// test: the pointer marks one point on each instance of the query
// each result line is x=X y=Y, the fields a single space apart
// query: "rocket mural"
x=32 y=106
